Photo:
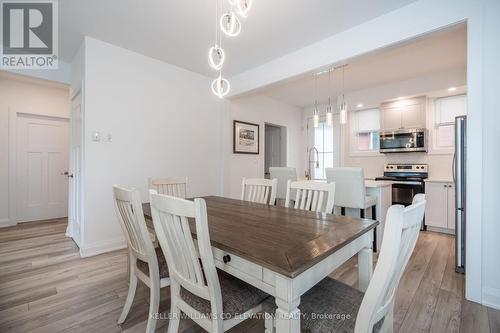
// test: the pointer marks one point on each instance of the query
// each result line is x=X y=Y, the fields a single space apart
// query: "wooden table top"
x=285 y=240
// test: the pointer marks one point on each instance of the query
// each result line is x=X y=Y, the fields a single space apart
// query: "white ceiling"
x=181 y=32
x=437 y=52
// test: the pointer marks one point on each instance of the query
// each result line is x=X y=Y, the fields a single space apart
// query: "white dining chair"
x=175 y=186
x=351 y=189
x=311 y=195
x=259 y=190
x=145 y=262
x=283 y=175
x=372 y=311
x=212 y=298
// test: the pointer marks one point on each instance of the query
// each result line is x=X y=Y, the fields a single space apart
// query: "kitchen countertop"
x=438 y=180
x=370 y=183
x=377 y=183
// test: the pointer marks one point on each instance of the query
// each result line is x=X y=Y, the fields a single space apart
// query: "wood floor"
x=46 y=287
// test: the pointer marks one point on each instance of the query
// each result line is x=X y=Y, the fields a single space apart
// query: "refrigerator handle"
x=453 y=164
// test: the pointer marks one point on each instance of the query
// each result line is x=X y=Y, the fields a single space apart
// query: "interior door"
x=75 y=179
x=272 y=148
x=42 y=159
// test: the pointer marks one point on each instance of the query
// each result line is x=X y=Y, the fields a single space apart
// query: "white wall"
x=25 y=95
x=164 y=121
x=491 y=153
x=259 y=109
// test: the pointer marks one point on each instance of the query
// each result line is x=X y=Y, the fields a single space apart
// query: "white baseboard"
x=102 y=247
x=491 y=297
x=441 y=230
x=6 y=223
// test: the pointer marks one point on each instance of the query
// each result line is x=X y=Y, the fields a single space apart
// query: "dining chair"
x=351 y=189
x=175 y=186
x=372 y=311
x=259 y=190
x=311 y=195
x=145 y=262
x=283 y=175
x=212 y=298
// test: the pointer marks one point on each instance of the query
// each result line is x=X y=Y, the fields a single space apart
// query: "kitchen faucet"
x=309 y=176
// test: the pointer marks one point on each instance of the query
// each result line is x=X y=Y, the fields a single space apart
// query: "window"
x=445 y=111
x=365 y=126
x=326 y=139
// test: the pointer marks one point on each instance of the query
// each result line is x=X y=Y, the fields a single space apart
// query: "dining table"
x=283 y=251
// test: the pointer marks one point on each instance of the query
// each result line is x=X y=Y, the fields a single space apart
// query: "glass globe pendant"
x=220 y=87
x=216 y=57
x=230 y=24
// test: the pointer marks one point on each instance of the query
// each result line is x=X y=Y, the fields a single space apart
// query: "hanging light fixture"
x=242 y=7
x=230 y=24
x=316 y=111
x=220 y=86
x=216 y=57
x=343 y=104
x=329 y=109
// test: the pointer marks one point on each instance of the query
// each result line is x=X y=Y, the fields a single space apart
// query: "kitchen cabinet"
x=440 y=208
x=409 y=113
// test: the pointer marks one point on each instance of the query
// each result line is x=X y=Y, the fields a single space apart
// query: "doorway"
x=42 y=160
x=275 y=147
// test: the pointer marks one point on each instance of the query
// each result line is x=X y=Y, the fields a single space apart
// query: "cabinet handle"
x=226 y=258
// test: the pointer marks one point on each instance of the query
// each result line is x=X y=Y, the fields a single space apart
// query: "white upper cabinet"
x=409 y=113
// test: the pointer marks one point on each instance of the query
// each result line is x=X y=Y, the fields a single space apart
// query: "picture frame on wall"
x=245 y=138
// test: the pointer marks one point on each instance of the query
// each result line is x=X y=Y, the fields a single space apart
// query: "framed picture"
x=245 y=138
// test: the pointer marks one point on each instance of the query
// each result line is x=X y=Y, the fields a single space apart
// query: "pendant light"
x=343 y=105
x=329 y=111
x=243 y=7
x=230 y=24
x=220 y=86
x=216 y=56
x=316 y=111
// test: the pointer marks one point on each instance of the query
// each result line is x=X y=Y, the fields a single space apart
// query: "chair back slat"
x=173 y=186
x=259 y=190
x=310 y=195
x=193 y=270
x=350 y=185
x=401 y=231
x=128 y=207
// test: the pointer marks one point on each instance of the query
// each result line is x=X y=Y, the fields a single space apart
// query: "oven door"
x=403 y=192
x=403 y=141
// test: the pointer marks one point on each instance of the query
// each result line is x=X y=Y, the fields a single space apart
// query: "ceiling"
x=181 y=32
x=437 y=52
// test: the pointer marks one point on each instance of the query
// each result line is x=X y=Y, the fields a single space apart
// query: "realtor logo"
x=29 y=34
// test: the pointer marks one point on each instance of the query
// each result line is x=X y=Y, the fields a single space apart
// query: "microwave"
x=403 y=141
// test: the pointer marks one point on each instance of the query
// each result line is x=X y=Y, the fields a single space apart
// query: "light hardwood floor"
x=46 y=287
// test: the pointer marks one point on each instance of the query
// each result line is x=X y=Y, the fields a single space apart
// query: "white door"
x=75 y=179
x=272 y=153
x=42 y=159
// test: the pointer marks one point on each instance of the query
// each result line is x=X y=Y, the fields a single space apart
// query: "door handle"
x=67 y=174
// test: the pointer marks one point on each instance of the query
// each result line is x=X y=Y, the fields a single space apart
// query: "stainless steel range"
x=408 y=180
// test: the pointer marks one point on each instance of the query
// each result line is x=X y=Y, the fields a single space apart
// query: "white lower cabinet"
x=440 y=209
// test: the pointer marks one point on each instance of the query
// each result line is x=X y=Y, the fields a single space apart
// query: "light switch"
x=96 y=136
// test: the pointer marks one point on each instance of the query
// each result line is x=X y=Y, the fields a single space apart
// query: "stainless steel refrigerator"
x=459 y=176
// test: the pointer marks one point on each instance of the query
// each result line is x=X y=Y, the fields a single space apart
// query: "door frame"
x=13 y=115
